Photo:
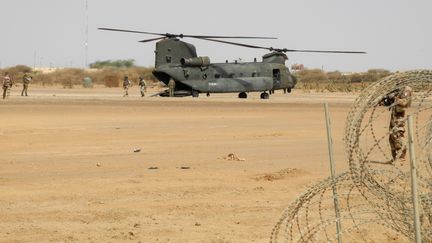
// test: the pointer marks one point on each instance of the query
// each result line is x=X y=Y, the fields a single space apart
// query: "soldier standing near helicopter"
x=26 y=80
x=402 y=101
x=126 y=84
x=143 y=85
x=171 y=86
x=7 y=85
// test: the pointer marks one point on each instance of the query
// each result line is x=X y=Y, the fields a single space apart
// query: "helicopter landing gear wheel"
x=195 y=94
x=242 y=95
x=265 y=96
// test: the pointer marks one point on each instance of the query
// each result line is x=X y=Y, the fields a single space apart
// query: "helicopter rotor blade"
x=236 y=44
x=279 y=49
x=318 y=51
x=214 y=37
x=229 y=37
x=153 y=39
x=131 y=31
x=169 y=35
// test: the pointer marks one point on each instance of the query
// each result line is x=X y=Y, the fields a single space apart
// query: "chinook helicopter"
x=193 y=74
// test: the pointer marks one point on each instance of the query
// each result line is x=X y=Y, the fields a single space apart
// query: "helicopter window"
x=217 y=75
x=168 y=59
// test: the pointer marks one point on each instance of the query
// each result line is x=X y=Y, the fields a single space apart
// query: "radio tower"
x=86 y=40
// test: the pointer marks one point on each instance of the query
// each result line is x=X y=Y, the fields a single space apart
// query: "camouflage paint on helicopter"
x=178 y=60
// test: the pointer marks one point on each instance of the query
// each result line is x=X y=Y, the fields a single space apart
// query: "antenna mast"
x=86 y=40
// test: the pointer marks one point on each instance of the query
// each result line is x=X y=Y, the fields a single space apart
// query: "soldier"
x=26 y=80
x=126 y=84
x=171 y=86
x=7 y=85
x=143 y=85
x=402 y=100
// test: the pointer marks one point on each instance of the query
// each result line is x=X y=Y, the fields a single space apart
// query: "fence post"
x=413 y=169
x=333 y=173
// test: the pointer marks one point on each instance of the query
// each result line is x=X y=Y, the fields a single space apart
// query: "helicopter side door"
x=276 y=78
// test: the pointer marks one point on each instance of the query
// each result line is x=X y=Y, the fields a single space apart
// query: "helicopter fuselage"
x=178 y=60
x=227 y=77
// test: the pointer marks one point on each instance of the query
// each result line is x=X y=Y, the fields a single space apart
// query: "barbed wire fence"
x=374 y=195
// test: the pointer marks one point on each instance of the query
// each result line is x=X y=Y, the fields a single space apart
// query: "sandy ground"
x=69 y=171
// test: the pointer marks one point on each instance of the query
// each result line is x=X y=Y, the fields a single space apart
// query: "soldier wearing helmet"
x=26 y=80
x=126 y=84
x=143 y=86
x=7 y=85
x=171 y=87
x=402 y=101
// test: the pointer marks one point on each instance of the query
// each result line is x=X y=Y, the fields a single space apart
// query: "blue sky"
x=396 y=34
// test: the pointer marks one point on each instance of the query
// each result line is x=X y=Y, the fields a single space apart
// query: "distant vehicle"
x=178 y=60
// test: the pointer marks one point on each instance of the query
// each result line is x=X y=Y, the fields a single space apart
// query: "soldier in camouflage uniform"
x=26 y=80
x=171 y=86
x=143 y=85
x=402 y=101
x=126 y=84
x=7 y=85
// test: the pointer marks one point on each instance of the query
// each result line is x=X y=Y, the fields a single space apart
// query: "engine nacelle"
x=196 y=61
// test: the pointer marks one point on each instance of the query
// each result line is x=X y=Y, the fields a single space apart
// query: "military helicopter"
x=178 y=60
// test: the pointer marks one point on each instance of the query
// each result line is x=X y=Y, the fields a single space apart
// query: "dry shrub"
x=68 y=77
x=111 y=77
x=112 y=81
x=313 y=75
x=321 y=81
x=17 y=72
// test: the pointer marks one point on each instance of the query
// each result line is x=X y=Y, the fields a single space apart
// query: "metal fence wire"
x=374 y=195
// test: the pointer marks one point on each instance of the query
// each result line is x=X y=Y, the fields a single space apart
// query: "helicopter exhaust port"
x=195 y=61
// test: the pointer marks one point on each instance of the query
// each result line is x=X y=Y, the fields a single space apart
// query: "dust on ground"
x=70 y=171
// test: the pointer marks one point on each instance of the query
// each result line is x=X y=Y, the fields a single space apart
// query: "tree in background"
x=113 y=64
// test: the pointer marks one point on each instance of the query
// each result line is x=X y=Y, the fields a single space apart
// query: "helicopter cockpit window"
x=217 y=75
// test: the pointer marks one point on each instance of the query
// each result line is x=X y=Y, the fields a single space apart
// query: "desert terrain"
x=87 y=165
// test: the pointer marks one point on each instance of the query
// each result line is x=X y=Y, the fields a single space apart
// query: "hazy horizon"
x=53 y=32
